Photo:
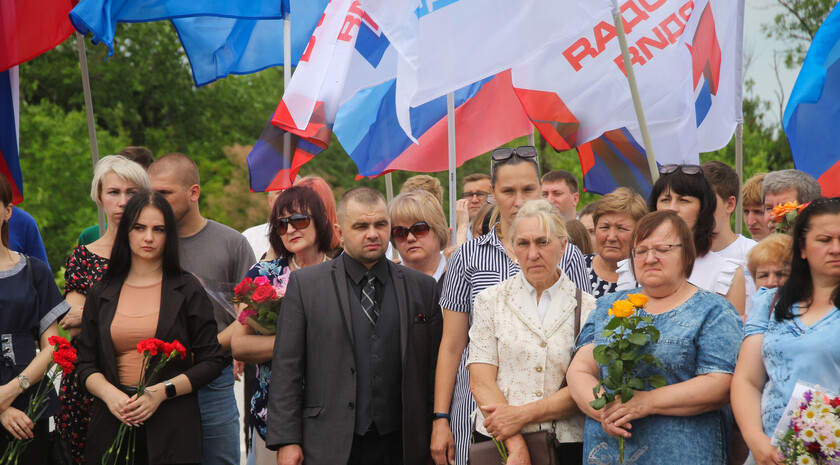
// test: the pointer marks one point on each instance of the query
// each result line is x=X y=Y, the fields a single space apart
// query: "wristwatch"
x=170 y=389
x=24 y=381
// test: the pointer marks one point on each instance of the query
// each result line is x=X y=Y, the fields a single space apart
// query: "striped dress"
x=475 y=266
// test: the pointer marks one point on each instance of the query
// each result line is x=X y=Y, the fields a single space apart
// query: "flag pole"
x=453 y=188
x=739 y=167
x=94 y=147
x=389 y=187
x=287 y=74
x=531 y=137
x=634 y=91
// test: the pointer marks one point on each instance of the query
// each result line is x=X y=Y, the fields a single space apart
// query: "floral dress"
x=277 y=272
x=83 y=269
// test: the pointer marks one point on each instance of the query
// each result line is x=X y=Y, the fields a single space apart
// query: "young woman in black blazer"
x=159 y=300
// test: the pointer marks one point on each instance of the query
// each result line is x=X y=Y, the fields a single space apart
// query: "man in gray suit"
x=352 y=376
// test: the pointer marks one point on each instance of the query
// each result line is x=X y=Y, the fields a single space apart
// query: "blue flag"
x=220 y=37
x=812 y=115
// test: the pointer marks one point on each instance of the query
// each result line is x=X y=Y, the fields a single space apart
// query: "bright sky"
x=758 y=12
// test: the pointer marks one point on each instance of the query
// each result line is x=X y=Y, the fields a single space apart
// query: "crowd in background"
x=399 y=342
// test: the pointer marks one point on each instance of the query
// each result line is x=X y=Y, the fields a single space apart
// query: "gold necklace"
x=295 y=263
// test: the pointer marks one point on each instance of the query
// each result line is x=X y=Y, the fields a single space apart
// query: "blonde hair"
x=122 y=167
x=549 y=218
x=751 y=192
x=424 y=182
x=621 y=201
x=414 y=206
x=773 y=249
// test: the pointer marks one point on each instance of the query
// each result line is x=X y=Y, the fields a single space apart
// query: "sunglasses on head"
x=298 y=221
x=687 y=169
x=523 y=151
x=420 y=229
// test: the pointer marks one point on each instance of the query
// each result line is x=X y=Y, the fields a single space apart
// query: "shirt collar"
x=551 y=290
x=356 y=271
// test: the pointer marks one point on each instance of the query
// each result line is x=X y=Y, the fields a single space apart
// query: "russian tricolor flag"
x=9 y=132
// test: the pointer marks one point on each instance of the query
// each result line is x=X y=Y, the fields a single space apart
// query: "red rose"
x=243 y=288
x=264 y=293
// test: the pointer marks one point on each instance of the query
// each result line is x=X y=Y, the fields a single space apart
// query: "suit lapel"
x=170 y=305
x=339 y=277
x=402 y=304
x=107 y=310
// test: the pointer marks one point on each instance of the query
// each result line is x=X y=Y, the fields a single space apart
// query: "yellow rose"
x=622 y=309
x=638 y=300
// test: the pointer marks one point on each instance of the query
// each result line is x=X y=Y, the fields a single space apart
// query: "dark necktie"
x=369 y=298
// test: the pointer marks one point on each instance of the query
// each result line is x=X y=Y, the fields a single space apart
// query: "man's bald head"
x=180 y=166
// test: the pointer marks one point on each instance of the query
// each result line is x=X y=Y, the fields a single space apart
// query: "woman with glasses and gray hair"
x=684 y=190
x=698 y=348
x=522 y=340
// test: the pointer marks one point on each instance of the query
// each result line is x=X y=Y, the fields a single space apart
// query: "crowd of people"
x=399 y=342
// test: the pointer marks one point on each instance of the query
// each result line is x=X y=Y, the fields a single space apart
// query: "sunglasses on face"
x=687 y=169
x=523 y=151
x=298 y=221
x=419 y=229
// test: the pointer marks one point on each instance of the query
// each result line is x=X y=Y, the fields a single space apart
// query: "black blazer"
x=186 y=314
x=313 y=371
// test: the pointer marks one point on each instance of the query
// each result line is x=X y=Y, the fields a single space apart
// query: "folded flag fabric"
x=687 y=63
x=346 y=85
x=10 y=131
x=812 y=114
x=30 y=28
x=219 y=37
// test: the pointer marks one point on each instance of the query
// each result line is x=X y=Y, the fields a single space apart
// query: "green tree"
x=797 y=25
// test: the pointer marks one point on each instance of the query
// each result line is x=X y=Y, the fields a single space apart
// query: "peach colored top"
x=136 y=319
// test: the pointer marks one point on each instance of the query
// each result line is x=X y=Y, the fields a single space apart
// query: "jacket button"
x=351 y=405
x=539 y=393
x=542 y=344
x=352 y=371
x=539 y=369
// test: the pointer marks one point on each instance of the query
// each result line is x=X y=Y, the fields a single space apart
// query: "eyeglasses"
x=480 y=194
x=523 y=151
x=419 y=229
x=659 y=251
x=298 y=221
x=687 y=169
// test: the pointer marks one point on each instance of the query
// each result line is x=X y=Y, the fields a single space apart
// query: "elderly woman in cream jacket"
x=522 y=338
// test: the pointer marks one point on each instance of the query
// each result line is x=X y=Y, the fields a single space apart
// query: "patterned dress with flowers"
x=83 y=269
x=277 y=273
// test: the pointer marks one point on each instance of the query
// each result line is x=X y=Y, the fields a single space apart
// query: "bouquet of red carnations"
x=262 y=300
x=63 y=361
x=151 y=349
x=809 y=432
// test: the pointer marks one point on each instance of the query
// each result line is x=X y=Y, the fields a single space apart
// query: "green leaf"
x=616 y=369
x=647 y=319
x=612 y=324
x=623 y=344
x=611 y=383
x=656 y=381
x=607 y=334
x=648 y=358
x=601 y=356
x=638 y=339
x=630 y=355
x=596 y=391
x=636 y=383
x=598 y=403
x=626 y=394
x=653 y=332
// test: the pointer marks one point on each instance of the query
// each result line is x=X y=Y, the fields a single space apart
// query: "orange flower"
x=622 y=309
x=638 y=300
x=779 y=211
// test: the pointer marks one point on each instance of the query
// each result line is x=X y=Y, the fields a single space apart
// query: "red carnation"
x=264 y=293
x=182 y=351
x=151 y=345
x=59 y=341
x=834 y=402
x=243 y=288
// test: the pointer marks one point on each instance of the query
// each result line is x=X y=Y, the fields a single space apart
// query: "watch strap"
x=170 y=389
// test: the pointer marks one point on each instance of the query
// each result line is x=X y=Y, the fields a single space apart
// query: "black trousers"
x=568 y=452
x=37 y=452
x=375 y=449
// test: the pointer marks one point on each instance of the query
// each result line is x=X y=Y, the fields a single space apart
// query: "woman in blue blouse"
x=300 y=235
x=791 y=332
x=30 y=306
x=684 y=421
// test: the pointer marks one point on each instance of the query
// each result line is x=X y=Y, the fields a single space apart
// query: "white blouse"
x=532 y=354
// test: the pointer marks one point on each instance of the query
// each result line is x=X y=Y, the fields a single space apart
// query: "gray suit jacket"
x=313 y=376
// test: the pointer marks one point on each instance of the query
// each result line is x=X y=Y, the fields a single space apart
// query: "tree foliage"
x=796 y=26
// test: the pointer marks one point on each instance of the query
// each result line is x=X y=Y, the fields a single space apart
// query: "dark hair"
x=800 y=285
x=561 y=175
x=512 y=161
x=364 y=195
x=694 y=185
x=120 y=262
x=723 y=178
x=651 y=221
x=300 y=199
x=140 y=155
x=5 y=200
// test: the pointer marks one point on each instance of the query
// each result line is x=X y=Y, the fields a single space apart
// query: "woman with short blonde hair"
x=414 y=215
x=769 y=261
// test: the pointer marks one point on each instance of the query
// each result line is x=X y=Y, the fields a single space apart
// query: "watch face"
x=24 y=382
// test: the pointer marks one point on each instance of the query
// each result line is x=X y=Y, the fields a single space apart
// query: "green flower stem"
x=621 y=450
